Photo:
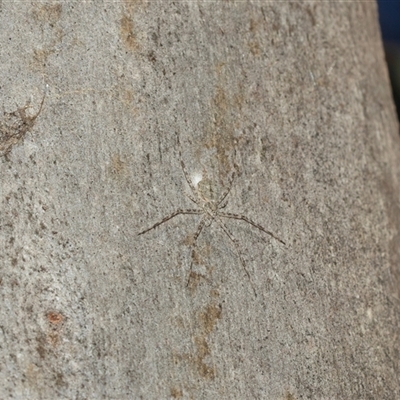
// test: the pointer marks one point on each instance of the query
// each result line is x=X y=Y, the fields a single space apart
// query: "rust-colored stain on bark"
x=127 y=34
x=254 y=25
x=47 y=12
x=196 y=258
x=127 y=98
x=289 y=396
x=197 y=254
x=50 y=14
x=202 y=351
x=207 y=320
x=14 y=126
x=130 y=5
x=53 y=338
x=176 y=393
x=209 y=317
x=253 y=44
x=127 y=29
x=55 y=318
x=117 y=164
x=254 y=48
x=194 y=280
x=201 y=357
x=219 y=132
x=40 y=57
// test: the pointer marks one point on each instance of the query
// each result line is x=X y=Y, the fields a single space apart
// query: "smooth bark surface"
x=294 y=100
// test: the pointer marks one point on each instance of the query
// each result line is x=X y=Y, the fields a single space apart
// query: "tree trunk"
x=264 y=139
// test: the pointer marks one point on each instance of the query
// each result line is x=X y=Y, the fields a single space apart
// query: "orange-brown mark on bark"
x=55 y=318
x=289 y=396
x=50 y=14
x=176 y=393
x=219 y=67
x=199 y=256
x=196 y=258
x=130 y=5
x=219 y=132
x=33 y=374
x=253 y=25
x=214 y=293
x=47 y=12
x=254 y=44
x=201 y=357
x=127 y=34
x=56 y=321
x=194 y=280
x=188 y=240
x=53 y=338
x=117 y=164
x=209 y=317
x=196 y=254
x=59 y=379
x=40 y=57
x=180 y=323
x=202 y=351
x=254 y=48
x=127 y=98
x=52 y=335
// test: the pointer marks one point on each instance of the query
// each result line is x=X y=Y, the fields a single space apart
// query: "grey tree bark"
x=288 y=105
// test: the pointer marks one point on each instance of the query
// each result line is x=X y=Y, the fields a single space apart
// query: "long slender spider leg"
x=41 y=104
x=187 y=177
x=248 y=220
x=223 y=205
x=22 y=111
x=227 y=191
x=192 y=199
x=194 y=245
x=231 y=179
x=174 y=214
x=238 y=251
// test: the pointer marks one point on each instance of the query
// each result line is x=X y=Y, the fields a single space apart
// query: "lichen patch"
x=14 y=126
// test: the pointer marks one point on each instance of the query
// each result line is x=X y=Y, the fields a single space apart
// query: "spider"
x=210 y=206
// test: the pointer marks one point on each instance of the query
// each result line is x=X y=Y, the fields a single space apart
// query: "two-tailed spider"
x=211 y=210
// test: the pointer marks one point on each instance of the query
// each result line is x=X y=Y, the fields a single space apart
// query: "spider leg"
x=223 y=205
x=237 y=248
x=227 y=191
x=41 y=104
x=190 y=197
x=187 y=177
x=174 y=214
x=249 y=221
x=28 y=119
x=194 y=245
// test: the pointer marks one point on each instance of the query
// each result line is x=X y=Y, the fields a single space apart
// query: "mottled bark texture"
x=292 y=97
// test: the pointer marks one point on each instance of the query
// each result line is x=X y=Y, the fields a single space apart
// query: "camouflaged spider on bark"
x=15 y=125
x=210 y=206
